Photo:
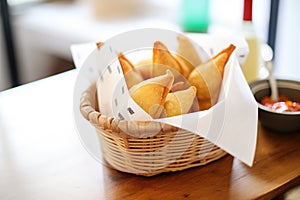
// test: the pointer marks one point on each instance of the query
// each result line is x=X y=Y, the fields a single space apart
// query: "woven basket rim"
x=91 y=111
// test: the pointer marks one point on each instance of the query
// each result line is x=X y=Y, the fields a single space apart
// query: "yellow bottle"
x=251 y=66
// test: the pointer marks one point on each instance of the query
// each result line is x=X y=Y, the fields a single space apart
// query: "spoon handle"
x=273 y=83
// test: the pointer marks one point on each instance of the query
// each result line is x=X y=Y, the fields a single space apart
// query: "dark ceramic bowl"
x=275 y=121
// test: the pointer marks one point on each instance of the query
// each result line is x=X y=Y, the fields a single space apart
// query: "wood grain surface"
x=41 y=157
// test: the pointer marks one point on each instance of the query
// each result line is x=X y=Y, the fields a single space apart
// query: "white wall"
x=34 y=61
x=288 y=40
x=33 y=43
x=229 y=15
x=4 y=76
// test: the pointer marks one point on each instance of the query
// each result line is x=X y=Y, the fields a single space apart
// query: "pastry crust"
x=180 y=102
x=132 y=76
x=207 y=78
x=187 y=50
x=151 y=94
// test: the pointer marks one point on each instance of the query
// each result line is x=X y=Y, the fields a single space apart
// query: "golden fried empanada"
x=187 y=50
x=162 y=56
x=151 y=94
x=145 y=68
x=207 y=78
x=178 y=86
x=132 y=76
x=162 y=60
x=180 y=102
x=186 y=66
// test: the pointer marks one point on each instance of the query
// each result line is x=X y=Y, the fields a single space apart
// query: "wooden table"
x=41 y=157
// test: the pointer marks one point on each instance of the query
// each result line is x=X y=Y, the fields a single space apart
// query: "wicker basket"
x=127 y=146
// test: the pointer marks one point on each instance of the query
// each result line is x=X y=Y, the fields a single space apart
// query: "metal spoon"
x=267 y=56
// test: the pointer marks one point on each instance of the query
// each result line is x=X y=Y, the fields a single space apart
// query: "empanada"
x=207 y=78
x=186 y=66
x=179 y=102
x=178 y=86
x=151 y=94
x=163 y=57
x=132 y=76
x=145 y=68
x=187 y=50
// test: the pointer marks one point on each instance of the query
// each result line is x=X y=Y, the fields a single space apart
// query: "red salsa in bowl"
x=282 y=105
x=282 y=115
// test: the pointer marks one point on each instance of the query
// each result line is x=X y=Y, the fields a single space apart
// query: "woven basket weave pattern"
x=127 y=146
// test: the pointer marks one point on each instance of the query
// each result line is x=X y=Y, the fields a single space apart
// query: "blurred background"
x=35 y=35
